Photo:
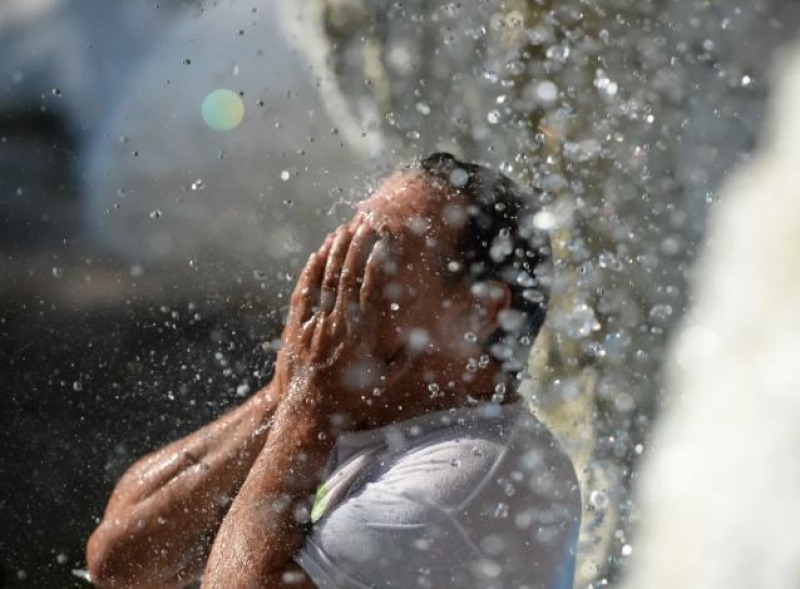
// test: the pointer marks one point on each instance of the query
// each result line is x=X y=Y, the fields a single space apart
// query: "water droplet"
x=459 y=177
x=434 y=390
x=285 y=175
x=454 y=266
x=322 y=436
x=156 y=214
x=56 y=92
x=580 y=322
x=198 y=184
x=544 y=220
x=582 y=151
x=61 y=558
x=512 y=320
x=394 y=307
x=242 y=390
x=423 y=108
x=598 y=499
x=455 y=463
x=493 y=116
x=423 y=543
x=501 y=511
x=661 y=313
x=671 y=246
x=470 y=337
x=418 y=339
x=77 y=386
x=624 y=403
x=627 y=550
x=559 y=52
x=546 y=92
x=57 y=272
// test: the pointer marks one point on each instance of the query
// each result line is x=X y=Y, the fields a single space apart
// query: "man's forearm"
x=264 y=528
x=164 y=511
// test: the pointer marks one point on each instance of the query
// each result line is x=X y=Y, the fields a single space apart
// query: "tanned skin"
x=344 y=365
x=165 y=510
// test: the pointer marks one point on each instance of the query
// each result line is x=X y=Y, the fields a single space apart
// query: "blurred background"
x=166 y=166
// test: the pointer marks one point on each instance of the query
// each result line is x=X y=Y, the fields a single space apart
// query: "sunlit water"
x=625 y=118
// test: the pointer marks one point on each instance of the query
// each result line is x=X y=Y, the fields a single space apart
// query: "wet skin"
x=346 y=354
x=436 y=314
x=380 y=304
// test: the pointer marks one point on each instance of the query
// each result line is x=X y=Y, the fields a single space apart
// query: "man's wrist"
x=325 y=404
x=301 y=441
x=306 y=409
x=265 y=526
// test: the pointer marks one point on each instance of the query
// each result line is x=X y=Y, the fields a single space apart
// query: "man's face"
x=429 y=308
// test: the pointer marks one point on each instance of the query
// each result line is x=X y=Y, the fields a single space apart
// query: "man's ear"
x=489 y=299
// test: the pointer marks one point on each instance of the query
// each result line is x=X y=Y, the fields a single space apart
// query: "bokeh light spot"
x=223 y=109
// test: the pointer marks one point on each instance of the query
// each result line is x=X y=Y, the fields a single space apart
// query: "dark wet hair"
x=500 y=242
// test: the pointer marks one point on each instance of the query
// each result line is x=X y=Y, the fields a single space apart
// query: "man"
x=395 y=388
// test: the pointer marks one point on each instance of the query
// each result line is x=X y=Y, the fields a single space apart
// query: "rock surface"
x=718 y=492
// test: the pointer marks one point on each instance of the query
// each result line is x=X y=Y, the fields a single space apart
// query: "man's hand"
x=333 y=372
x=330 y=355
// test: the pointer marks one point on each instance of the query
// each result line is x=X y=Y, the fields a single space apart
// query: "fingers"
x=325 y=248
x=345 y=278
x=352 y=275
x=307 y=288
x=371 y=298
x=333 y=268
x=306 y=291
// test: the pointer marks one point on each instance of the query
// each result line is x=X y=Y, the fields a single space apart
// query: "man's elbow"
x=106 y=568
x=113 y=565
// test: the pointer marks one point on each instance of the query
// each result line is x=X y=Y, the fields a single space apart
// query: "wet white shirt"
x=480 y=497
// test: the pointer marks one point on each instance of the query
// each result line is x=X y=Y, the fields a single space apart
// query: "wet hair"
x=500 y=242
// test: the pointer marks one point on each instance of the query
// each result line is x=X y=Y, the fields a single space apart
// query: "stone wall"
x=718 y=492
